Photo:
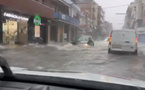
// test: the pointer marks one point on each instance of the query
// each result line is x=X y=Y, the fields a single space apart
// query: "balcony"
x=66 y=18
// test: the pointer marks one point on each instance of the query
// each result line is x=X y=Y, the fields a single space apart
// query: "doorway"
x=22 y=36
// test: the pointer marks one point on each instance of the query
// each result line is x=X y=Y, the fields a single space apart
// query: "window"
x=81 y=39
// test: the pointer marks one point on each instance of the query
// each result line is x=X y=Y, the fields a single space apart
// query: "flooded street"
x=78 y=59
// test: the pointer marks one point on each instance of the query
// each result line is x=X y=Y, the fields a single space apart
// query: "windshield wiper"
x=6 y=69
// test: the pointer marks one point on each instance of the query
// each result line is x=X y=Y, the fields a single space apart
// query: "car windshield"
x=40 y=35
x=82 y=38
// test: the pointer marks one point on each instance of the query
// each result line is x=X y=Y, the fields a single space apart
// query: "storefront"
x=38 y=30
x=14 y=28
x=17 y=21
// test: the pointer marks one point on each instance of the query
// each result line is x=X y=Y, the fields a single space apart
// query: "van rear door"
x=123 y=38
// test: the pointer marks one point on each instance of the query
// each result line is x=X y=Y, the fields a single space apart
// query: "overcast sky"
x=110 y=13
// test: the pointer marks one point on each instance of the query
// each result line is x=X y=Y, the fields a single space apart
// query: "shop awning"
x=29 y=7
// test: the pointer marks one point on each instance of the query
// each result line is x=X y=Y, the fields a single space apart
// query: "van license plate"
x=116 y=46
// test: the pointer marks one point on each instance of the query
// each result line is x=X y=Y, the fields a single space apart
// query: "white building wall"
x=139 y=9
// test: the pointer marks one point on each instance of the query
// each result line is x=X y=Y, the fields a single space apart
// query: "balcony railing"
x=67 y=18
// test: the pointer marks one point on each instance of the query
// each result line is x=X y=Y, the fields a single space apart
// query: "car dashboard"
x=11 y=81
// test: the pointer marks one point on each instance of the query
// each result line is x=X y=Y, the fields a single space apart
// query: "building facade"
x=101 y=16
x=135 y=15
x=41 y=21
x=66 y=24
x=135 y=18
x=90 y=10
x=93 y=13
x=17 y=21
x=38 y=21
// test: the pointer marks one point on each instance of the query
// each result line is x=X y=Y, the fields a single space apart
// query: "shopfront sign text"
x=11 y=15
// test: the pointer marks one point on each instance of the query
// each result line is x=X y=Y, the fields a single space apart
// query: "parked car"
x=123 y=40
x=83 y=40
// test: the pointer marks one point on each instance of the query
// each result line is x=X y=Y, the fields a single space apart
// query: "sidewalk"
x=4 y=47
x=50 y=44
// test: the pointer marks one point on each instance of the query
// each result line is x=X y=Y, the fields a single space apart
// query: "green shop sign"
x=37 y=20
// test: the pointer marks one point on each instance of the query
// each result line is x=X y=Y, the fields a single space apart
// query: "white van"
x=123 y=40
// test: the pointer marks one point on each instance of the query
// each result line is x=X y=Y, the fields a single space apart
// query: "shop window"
x=9 y=32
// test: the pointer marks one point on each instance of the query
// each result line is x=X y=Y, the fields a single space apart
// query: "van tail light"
x=136 y=40
x=110 y=39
